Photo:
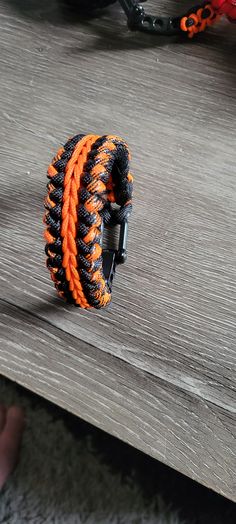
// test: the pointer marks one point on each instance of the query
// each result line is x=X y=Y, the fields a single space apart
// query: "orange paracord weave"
x=86 y=176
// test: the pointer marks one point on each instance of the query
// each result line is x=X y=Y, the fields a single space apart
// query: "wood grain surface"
x=157 y=368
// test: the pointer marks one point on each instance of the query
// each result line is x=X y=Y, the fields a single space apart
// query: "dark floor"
x=194 y=502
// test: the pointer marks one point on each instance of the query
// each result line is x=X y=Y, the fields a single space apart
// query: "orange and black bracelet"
x=90 y=186
x=195 y=20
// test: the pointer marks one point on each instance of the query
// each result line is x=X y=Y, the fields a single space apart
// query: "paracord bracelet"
x=86 y=178
x=192 y=22
x=195 y=20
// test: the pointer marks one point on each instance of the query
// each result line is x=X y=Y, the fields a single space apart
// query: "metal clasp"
x=113 y=257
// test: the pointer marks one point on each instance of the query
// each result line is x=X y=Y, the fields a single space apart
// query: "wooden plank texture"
x=157 y=368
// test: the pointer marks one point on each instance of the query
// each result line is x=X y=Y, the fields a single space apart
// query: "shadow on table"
x=73 y=11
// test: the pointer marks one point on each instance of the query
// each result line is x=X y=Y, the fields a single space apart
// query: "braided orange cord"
x=110 y=195
x=74 y=169
x=48 y=202
x=191 y=29
x=93 y=205
x=196 y=22
x=98 y=187
x=203 y=22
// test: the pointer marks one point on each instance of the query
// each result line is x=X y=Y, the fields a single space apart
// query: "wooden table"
x=157 y=368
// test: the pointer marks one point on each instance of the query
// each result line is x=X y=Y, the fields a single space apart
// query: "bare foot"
x=11 y=429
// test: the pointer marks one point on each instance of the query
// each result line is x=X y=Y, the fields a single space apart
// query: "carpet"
x=70 y=472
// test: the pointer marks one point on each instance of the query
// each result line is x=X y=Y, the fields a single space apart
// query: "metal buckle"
x=113 y=257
